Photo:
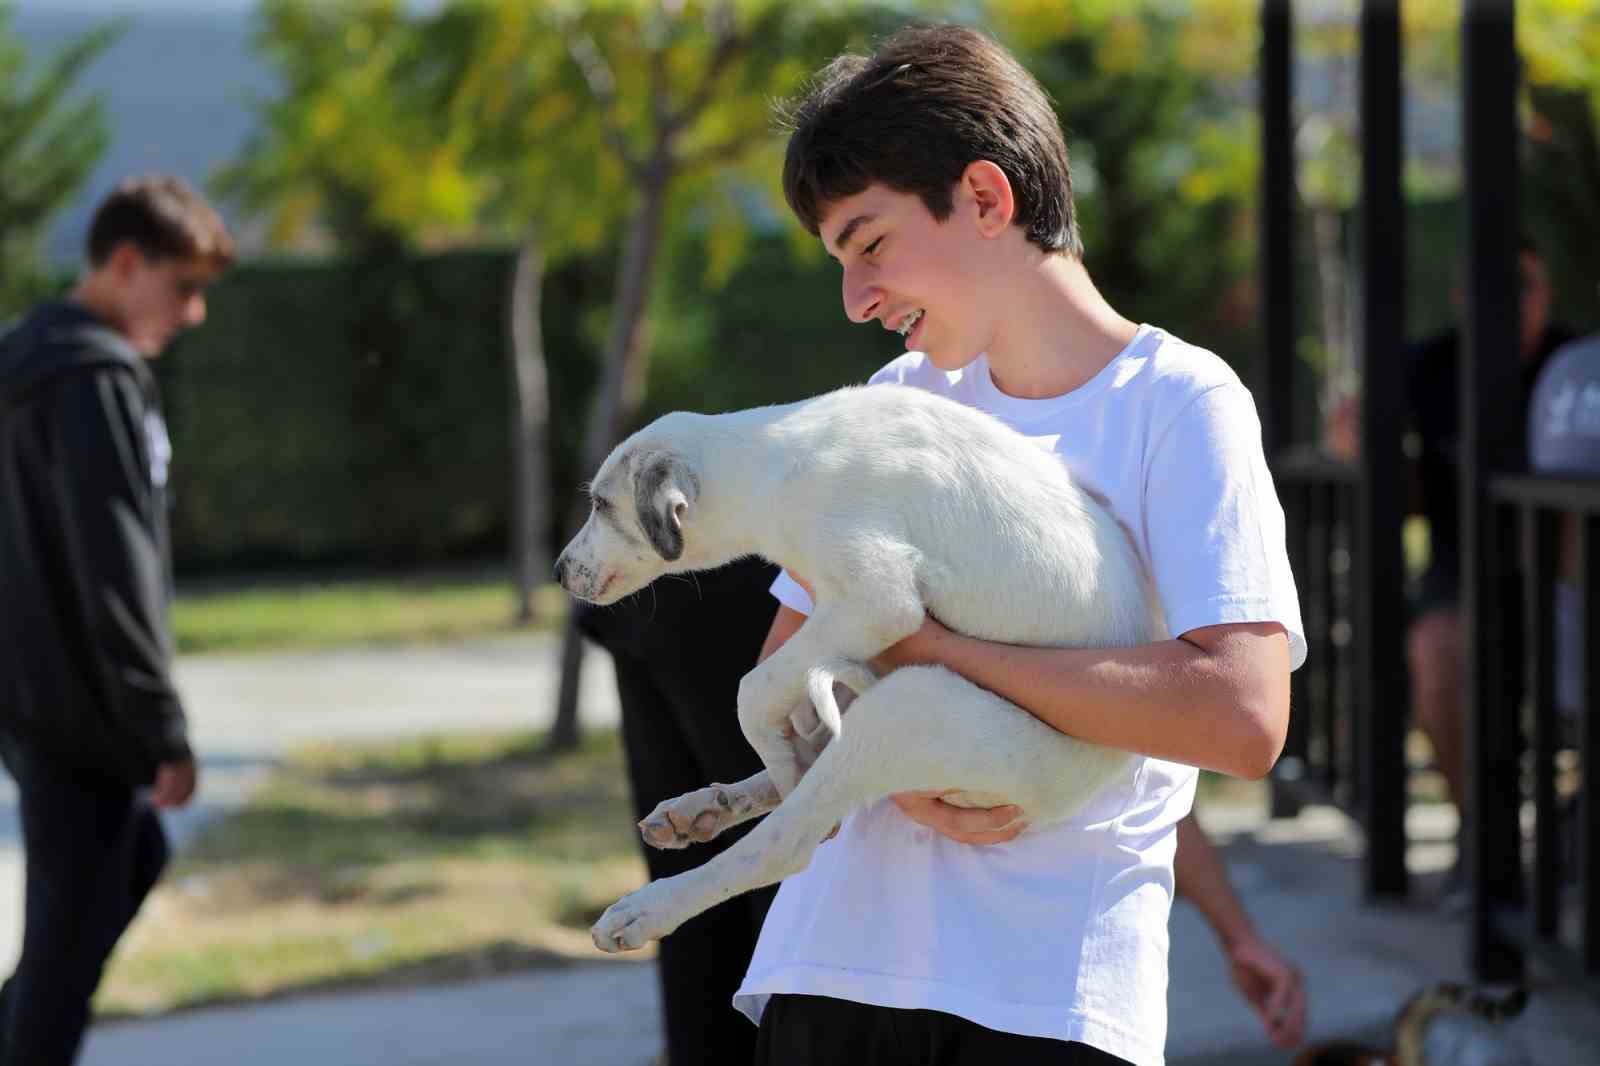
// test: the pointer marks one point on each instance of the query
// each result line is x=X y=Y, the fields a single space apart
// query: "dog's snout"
x=561 y=570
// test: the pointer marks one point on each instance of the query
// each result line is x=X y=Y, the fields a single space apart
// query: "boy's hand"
x=966 y=825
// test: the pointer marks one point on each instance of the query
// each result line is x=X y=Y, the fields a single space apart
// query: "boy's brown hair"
x=929 y=101
x=164 y=218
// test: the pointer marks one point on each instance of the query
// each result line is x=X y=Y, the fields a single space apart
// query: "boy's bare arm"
x=1215 y=697
x=784 y=625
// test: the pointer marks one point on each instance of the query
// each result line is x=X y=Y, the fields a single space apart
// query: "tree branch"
x=603 y=87
x=726 y=152
x=730 y=43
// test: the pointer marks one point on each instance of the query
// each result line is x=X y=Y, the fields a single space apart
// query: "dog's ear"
x=663 y=489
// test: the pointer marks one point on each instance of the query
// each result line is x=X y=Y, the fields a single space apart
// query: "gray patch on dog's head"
x=662 y=488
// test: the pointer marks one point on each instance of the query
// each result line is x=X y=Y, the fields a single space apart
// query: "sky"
x=176 y=90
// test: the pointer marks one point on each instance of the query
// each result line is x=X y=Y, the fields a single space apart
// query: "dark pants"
x=680 y=649
x=819 y=1031
x=93 y=848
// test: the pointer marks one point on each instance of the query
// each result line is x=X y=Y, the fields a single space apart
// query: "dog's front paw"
x=694 y=817
x=631 y=923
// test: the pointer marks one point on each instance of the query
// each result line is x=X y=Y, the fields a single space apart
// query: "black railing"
x=1347 y=720
x=1550 y=908
x=1318 y=497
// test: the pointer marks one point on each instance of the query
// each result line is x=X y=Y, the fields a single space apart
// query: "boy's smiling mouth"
x=908 y=323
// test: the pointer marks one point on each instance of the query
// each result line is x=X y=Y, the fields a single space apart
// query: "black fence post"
x=1275 y=365
x=1587 y=580
x=1380 y=674
x=1488 y=371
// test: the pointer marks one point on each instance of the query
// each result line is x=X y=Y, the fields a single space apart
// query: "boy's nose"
x=861 y=302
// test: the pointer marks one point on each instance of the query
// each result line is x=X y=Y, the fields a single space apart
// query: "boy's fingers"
x=967 y=825
x=982 y=819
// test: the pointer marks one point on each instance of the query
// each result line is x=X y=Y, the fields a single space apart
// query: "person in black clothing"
x=1434 y=638
x=91 y=726
x=680 y=648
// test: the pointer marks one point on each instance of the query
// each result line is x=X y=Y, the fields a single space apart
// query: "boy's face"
x=158 y=298
x=910 y=272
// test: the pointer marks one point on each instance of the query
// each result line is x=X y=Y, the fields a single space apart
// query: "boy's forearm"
x=1216 y=698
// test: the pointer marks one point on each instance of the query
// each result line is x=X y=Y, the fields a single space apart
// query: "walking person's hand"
x=174 y=783
x=1273 y=987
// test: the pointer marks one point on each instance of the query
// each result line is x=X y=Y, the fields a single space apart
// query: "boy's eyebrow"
x=849 y=230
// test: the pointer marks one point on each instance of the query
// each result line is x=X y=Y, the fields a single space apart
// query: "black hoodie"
x=85 y=647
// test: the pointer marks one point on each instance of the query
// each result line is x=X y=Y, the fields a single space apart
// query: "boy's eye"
x=873 y=247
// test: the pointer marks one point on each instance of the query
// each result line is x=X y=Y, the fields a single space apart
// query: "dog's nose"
x=561 y=566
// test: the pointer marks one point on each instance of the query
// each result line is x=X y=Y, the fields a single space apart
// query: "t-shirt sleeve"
x=790 y=594
x=1214 y=528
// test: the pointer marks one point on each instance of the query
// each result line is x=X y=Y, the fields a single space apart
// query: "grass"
x=403 y=862
x=275 y=612
x=414 y=861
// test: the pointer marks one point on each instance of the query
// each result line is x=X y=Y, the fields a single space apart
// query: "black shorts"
x=820 y=1031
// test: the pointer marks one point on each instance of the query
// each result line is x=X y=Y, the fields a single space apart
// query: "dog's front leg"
x=698 y=816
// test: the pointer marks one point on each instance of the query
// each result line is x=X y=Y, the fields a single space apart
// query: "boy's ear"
x=988 y=189
x=123 y=259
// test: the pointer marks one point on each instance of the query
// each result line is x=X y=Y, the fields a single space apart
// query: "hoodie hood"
x=57 y=336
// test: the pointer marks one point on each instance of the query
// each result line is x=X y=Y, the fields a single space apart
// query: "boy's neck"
x=1058 y=331
x=93 y=295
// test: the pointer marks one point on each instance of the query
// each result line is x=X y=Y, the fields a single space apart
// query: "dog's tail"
x=820 y=679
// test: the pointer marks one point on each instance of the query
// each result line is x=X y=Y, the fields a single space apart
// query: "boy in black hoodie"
x=91 y=726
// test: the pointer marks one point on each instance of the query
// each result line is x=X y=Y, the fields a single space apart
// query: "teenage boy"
x=936 y=173
x=91 y=726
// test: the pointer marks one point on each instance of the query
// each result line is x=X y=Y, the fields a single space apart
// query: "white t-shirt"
x=1061 y=932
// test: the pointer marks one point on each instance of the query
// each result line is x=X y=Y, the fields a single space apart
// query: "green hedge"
x=343 y=412
x=338 y=411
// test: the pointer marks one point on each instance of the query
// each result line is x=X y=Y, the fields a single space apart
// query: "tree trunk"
x=615 y=405
x=530 y=430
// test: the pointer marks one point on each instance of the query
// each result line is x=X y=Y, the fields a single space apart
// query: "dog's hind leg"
x=701 y=815
x=870 y=760
x=698 y=816
x=841 y=628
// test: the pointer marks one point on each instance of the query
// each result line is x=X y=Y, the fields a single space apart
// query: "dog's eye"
x=601 y=504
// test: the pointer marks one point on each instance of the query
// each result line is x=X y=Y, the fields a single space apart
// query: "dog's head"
x=640 y=504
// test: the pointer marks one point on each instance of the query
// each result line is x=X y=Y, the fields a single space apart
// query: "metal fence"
x=1540 y=882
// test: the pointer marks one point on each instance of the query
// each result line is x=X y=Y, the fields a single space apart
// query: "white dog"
x=892 y=502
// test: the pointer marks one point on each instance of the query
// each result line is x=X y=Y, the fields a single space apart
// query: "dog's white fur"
x=891 y=501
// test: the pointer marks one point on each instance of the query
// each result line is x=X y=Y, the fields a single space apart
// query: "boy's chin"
x=943 y=359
